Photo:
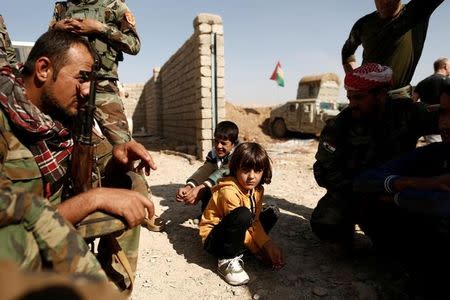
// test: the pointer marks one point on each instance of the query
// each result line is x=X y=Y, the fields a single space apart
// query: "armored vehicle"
x=301 y=115
x=316 y=102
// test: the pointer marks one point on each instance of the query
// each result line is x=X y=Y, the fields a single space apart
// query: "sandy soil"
x=172 y=264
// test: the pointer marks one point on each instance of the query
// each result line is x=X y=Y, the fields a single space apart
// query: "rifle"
x=83 y=149
x=82 y=163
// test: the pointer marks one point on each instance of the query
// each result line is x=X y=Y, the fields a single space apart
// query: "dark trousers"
x=226 y=239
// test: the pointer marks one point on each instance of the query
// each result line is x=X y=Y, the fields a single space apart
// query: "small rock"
x=196 y=221
x=318 y=291
x=168 y=259
x=235 y=292
x=256 y=297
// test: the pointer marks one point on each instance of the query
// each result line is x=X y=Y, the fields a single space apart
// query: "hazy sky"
x=305 y=36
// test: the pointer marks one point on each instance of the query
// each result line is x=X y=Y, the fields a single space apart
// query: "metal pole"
x=214 y=113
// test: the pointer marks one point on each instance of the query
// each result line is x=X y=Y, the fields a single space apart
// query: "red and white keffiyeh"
x=368 y=76
x=48 y=140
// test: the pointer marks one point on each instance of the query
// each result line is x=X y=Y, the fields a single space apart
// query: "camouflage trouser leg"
x=108 y=255
x=127 y=241
x=52 y=243
x=110 y=113
x=332 y=218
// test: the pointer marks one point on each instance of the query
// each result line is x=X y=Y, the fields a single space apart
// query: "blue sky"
x=305 y=36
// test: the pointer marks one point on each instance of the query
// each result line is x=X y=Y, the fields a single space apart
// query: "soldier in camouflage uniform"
x=370 y=131
x=36 y=109
x=7 y=53
x=112 y=27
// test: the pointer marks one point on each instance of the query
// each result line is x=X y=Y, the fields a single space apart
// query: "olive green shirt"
x=396 y=42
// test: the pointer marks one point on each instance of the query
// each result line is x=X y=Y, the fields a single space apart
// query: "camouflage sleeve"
x=6 y=43
x=58 y=13
x=351 y=44
x=329 y=168
x=122 y=35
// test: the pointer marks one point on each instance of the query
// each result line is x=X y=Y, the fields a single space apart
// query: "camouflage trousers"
x=110 y=113
x=128 y=241
x=52 y=243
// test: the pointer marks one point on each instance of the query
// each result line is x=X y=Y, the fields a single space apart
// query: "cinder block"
x=217 y=28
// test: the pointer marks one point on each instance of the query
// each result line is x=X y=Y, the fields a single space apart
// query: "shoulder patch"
x=130 y=18
x=329 y=147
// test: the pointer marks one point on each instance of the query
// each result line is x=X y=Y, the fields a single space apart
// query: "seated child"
x=232 y=223
x=198 y=186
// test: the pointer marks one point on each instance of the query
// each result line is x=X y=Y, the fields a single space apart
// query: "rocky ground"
x=172 y=264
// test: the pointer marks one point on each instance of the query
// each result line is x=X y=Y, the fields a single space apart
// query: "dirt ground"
x=172 y=264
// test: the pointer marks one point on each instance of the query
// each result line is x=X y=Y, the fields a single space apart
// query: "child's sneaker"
x=231 y=270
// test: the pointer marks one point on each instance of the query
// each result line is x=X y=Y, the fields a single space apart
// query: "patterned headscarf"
x=368 y=76
x=48 y=140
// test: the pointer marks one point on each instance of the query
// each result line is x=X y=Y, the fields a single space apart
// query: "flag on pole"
x=278 y=75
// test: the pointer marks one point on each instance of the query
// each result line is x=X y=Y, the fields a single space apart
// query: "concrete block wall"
x=178 y=98
x=134 y=109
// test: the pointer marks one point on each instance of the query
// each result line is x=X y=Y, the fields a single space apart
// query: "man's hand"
x=126 y=154
x=274 y=254
x=80 y=26
x=130 y=205
x=182 y=192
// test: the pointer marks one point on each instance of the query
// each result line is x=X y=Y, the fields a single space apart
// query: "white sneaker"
x=231 y=270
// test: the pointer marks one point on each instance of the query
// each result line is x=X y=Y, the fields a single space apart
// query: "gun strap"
x=122 y=258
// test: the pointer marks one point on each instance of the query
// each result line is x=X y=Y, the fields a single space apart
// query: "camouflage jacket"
x=7 y=53
x=119 y=33
x=22 y=202
x=347 y=147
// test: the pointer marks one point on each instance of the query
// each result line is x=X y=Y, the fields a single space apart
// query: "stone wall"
x=177 y=100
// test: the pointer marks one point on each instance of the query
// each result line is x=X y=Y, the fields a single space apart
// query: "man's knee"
x=331 y=219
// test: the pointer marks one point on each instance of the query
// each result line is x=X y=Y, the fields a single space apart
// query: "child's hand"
x=182 y=192
x=274 y=254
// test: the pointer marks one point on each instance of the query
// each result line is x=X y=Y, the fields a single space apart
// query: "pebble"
x=318 y=291
x=256 y=297
x=196 y=221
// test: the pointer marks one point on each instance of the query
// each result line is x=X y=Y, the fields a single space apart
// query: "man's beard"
x=52 y=108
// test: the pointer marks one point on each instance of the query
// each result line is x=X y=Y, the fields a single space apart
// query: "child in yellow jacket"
x=232 y=221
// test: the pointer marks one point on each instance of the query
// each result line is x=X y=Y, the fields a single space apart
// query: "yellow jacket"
x=226 y=196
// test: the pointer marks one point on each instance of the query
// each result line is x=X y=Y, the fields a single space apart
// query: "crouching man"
x=37 y=107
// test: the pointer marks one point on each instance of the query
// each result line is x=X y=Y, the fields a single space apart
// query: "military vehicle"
x=316 y=102
x=22 y=49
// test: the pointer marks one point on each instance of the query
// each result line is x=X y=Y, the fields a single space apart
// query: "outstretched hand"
x=274 y=255
x=126 y=154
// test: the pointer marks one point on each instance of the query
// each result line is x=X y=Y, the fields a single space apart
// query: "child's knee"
x=242 y=215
